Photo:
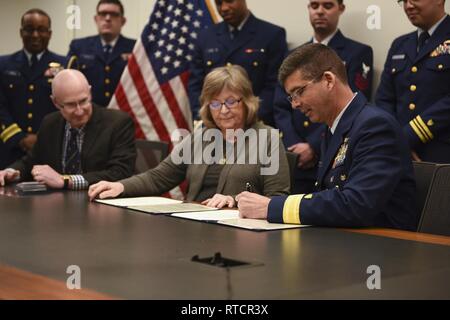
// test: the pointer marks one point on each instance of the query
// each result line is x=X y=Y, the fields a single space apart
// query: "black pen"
x=248 y=187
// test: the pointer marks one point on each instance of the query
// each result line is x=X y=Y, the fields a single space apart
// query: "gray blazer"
x=232 y=180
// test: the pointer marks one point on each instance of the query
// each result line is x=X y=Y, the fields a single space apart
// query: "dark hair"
x=116 y=2
x=38 y=11
x=312 y=60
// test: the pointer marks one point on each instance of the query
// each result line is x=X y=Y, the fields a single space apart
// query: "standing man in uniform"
x=242 y=39
x=25 y=87
x=415 y=84
x=102 y=58
x=299 y=134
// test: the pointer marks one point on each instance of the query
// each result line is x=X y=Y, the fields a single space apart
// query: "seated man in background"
x=365 y=176
x=228 y=107
x=79 y=145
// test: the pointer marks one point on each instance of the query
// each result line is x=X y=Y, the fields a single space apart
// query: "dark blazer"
x=108 y=151
x=103 y=75
x=415 y=88
x=365 y=177
x=259 y=48
x=24 y=99
x=232 y=180
x=296 y=127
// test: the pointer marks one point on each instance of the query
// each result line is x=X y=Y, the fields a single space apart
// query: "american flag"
x=153 y=86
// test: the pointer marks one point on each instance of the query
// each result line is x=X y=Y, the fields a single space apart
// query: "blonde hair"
x=233 y=78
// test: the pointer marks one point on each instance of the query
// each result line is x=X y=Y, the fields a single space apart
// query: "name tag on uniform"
x=12 y=73
x=87 y=56
x=398 y=57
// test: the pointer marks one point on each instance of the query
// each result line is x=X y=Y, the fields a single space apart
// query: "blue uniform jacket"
x=24 y=99
x=259 y=48
x=365 y=177
x=296 y=127
x=415 y=88
x=103 y=75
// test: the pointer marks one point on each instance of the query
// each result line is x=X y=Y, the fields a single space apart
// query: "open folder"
x=231 y=218
x=156 y=205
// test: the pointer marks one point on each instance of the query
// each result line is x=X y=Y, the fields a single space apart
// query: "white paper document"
x=172 y=208
x=139 y=201
x=231 y=218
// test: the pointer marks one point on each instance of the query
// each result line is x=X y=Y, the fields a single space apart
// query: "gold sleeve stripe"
x=417 y=131
x=424 y=127
x=10 y=132
x=424 y=133
x=291 y=209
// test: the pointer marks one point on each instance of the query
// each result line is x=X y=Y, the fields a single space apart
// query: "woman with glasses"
x=232 y=152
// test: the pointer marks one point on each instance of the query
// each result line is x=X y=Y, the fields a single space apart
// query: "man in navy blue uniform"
x=299 y=134
x=25 y=87
x=415 y=84
x=365 y=175
x=256 y=45
x=102 y=58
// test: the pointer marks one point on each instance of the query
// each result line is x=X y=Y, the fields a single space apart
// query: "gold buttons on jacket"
x=412 y=106
x=31 y=87
x=393 y=70
x=414 y=69
x=229 y=64
x=343 y=177
x=30 y=129
x=107 y=81
x=255 y=64
x=209 y=63
x=440 y=66
x=306 y=124
x=413 y=88
x=107 y=94
x=30 y=115
x=30 y=101
x=11 y=86
x=107 y=68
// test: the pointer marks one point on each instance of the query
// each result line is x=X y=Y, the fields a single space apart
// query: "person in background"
x=415 y=83
x=102 y=58
x=25 y=87
x=242 y=39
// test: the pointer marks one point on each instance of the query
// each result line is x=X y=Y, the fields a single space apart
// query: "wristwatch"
x=66 y=182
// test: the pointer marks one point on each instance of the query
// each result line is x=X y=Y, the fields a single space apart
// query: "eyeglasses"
x=403 y=2
x=73 y=105
x=293 y=98
x=40 y=30
x=229 y=103
x=113 y=14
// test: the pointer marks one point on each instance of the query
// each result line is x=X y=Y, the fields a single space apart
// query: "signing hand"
x=252 y=205
x=105 y=189
x=45 y=174
x=219 y=201
x=8 y=175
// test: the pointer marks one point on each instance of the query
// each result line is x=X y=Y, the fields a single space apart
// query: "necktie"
x=424 y=36
x=107 y=51
x=73 y=157
x=34 y=61
x=234 y=33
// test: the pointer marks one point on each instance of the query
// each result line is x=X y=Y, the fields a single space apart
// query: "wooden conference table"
x=130 y=255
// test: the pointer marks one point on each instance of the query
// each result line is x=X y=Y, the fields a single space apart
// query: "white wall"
x=291 y=14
